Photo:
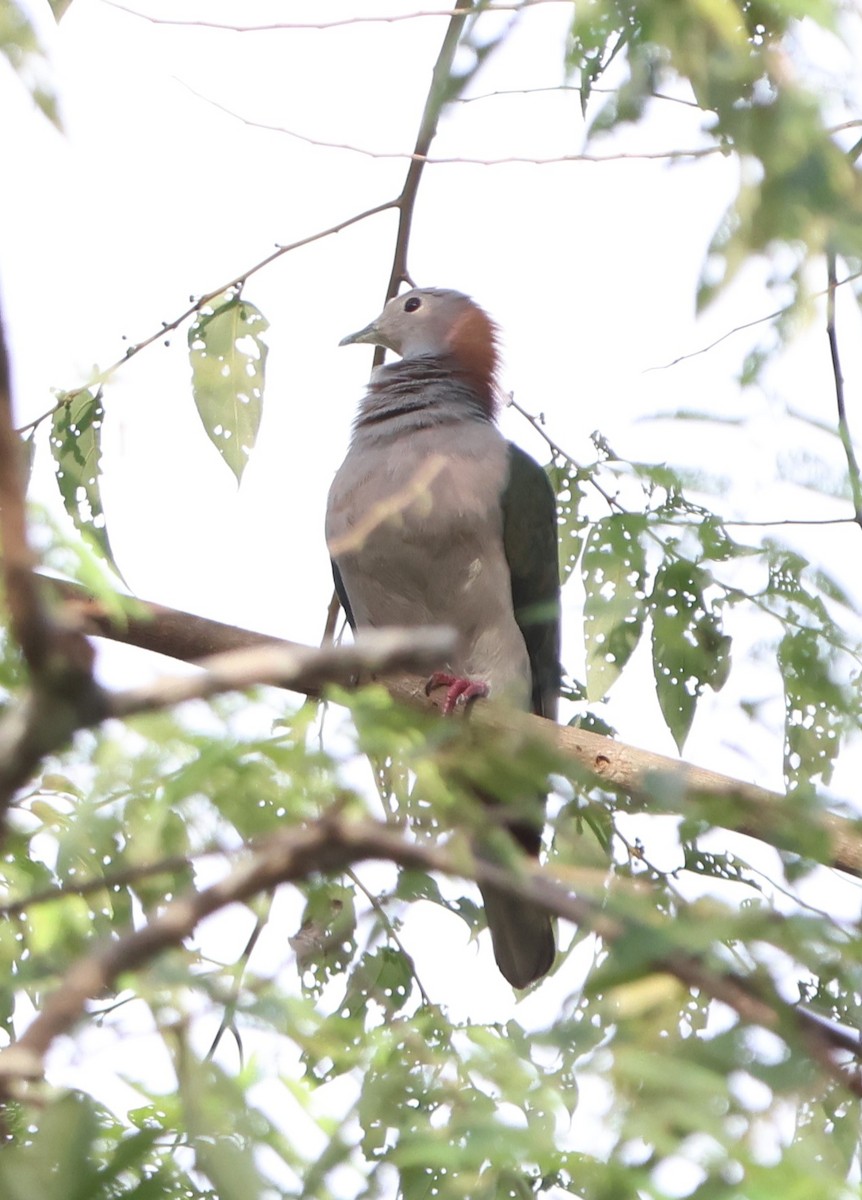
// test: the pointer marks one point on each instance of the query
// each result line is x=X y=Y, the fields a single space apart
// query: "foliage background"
x=372 y=1053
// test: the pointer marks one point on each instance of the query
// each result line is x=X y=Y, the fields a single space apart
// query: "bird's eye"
x=412 y=304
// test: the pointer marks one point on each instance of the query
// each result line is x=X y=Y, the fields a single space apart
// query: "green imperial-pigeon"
x=435 y=519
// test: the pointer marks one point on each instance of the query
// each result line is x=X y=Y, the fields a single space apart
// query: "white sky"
x=152 y=194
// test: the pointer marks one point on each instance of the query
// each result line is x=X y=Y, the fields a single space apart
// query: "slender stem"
x=205 y=299
x=438 y=95
x=843 y=424
x=374 y=901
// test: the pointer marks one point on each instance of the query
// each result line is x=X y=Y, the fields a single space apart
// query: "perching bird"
x=435 y=519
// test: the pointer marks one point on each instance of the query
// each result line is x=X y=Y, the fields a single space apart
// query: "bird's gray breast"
x=414 y=524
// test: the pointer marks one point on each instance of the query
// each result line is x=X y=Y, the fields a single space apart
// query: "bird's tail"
x=521 y=933
x=522 y=936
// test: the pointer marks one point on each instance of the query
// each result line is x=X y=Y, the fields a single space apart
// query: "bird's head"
x=436 y=322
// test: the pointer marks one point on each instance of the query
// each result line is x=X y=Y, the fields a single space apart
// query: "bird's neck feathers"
x=472 y=344
x=418 y=393
x=439 y=385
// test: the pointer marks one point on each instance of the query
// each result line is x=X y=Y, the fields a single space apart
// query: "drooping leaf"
x=385 y=976
x=28 y=451
x=221 y=1124
x=76 y=443
x=20 y=46
x=228 y=360
x=59 y=8
x=326 y=939
x=566 y=482
x=689 y=646
x=597 y=35
x=614 y=569
x=816 y=710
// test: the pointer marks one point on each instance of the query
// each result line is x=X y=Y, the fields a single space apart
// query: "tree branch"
x=772 y=316
x=29 y=620
x=438 y=95
x=298 y=668
x=45 y=719
x=110 y=881
x=456 y=160
x=205 y=299
x=462 y=10
x=333 y=844
x=62 y=694
x=644 y=780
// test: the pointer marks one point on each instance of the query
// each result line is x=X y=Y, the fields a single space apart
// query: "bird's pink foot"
x=458 y=688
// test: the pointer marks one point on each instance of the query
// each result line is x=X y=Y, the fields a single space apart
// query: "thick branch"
x=648 y=780
x=62 y=693
x=302 y=668
x=44 y=720
x=333 y=844
x=29 y=620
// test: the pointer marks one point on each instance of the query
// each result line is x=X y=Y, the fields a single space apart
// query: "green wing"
x=530 y=542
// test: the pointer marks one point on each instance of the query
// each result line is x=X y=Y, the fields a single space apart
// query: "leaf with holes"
x=816 y=709
x=689 y=648
x=76 y=443
x=613 y=568
x=566 y=481
x=228 y=360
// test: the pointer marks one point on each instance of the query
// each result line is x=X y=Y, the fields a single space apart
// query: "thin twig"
x=779 y=312
x=425 y=159
x=105 y=883
x=576 y=88
x=435 y=101
x=463 y=11
x=332 y=611
x=239 y=971
x=205 y=299
x=843 y=425
x=538 y=424
x=794 y=521
x=374 y=901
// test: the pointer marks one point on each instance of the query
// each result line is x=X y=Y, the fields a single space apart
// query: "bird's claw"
x=458 y=688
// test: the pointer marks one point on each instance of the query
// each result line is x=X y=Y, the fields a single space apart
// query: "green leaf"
x=28 y=453
x=326 y=939
x=59 y=8
x=76 y=443
x=130 y=1152
x=54 y=1163
x=566 y=481
x=21 y=48
x=816 y=709
x=220 y=1123
x=228 y=360
x=386 y=976
x=689 y=647
x=614 y=569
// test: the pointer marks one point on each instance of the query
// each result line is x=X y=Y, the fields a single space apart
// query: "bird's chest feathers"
x=422 y=520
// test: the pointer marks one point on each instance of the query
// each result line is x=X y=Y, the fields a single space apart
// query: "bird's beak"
x=368 y=334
